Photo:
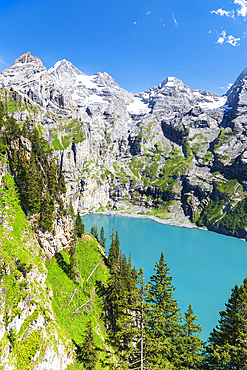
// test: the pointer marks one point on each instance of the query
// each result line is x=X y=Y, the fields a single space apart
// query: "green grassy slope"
x=69 y=296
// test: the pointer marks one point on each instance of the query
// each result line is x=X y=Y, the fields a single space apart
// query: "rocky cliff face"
x=170 y=151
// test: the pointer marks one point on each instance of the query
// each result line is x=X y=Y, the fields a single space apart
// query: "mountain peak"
x=27 y=58
x=171 y=82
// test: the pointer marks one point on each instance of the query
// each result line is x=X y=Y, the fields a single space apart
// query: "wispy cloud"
x=222 y=12
x=234 y=41
x=242 y=11
x=225 y=88
x=148 y=12
x=136 y=24
x=163 y=24
x=175 y=21
x=3 y=63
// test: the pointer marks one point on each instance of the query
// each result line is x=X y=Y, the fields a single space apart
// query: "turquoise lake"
x=204 y=265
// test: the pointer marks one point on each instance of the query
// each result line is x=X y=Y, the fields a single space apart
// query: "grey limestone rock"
x=164 y=144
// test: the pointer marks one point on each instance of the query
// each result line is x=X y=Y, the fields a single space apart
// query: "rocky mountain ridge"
x=170 y=151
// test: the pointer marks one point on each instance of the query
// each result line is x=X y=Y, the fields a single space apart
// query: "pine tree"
x=14 y=160
x=113 y=255
x=33 y=186
x=191 y=342
x=163 y=316
x=61 y=183
x=12 y=129
x=88 y=352
x=25 y=131
x=22 y=174
x=79 y=226
x=70 y=210
x=102 y=238
x=52 y=180
x=227 y=344
x=122 y=300
x=94 y=232
x=34 y=138
x=46 y=214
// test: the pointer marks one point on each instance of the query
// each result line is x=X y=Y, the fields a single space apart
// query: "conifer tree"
x=12 y=129
x=88 y=351
x=33 y=186
x=46 y=214
x=79 y=226
x=227 y=343
x=52 y=180
x=94 y=232
x=113 y=255
x=22 y=174
x=61 y=183
x=26 y=128
x=191 y=342
x=163 y=316
x=102 y=238
x=71 y=211
x=122 y=319
x=14 y=160
x=34 y=138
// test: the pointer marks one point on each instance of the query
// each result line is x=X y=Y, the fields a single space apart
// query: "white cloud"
x=175 y=22
x=148 y=12
x=222 y=38
x=209 y=31
x=234 y=41
x=242 y=11
x=222 y=12
x=136 y=24
x=163 y=24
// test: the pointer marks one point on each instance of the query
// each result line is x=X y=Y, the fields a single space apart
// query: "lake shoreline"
x=178 y=223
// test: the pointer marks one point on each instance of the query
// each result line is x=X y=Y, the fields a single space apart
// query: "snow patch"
x=137 y=107
x=217 y=103
x=170 y=82
x=87 y=81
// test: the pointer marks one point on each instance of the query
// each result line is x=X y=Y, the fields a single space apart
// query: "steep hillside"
x=44 y=308
x=30 y=336
x=170 y=151
x=43 y=312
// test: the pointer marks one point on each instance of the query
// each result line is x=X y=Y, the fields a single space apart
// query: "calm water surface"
x=204 y=265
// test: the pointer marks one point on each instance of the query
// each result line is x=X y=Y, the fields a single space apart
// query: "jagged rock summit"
x=169 y=150
x=27 y=58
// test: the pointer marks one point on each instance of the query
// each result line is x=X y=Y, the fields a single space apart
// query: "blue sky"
x=138 y=42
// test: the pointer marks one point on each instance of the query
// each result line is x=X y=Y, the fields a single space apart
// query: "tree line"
x=35 y=169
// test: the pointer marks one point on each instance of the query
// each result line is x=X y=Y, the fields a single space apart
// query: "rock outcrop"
x=169 y=147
